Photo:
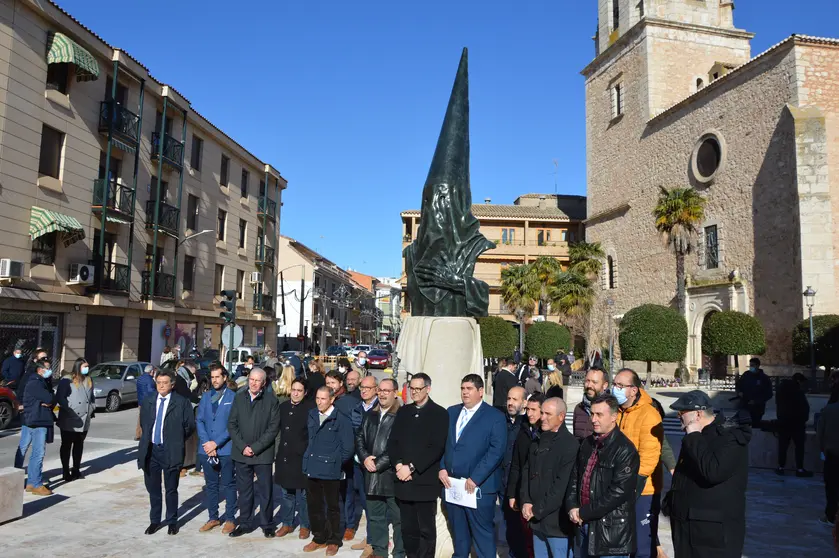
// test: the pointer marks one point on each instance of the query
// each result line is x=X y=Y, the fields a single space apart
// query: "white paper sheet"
x=457 y=494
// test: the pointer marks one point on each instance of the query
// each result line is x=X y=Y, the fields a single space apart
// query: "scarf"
x=216 y=397
x=184 y=373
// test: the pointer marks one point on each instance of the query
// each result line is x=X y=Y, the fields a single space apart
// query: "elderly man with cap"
x=708 y=499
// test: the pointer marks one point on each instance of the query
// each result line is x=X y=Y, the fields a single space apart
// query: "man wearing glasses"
x=358 y=495
x=417 y=442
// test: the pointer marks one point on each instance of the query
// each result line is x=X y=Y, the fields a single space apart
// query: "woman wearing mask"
x=76 y=407
x=554 y=384
x=344 y=366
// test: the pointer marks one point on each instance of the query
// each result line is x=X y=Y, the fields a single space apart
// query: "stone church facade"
x=674 y=98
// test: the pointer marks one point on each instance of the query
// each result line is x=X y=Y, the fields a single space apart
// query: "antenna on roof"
x=556 y=170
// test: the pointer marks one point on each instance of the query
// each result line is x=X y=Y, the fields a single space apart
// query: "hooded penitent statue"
x=440 y=262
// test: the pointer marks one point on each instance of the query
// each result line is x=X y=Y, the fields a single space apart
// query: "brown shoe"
x=313 y=546
x=29 y=488
x=332 y=549
x=41 y=491
x=209 y=526
x=283 y=531
x=349 y=534
x=360 y=545
x=183 y=473
x=228 y=528
x=304 y=533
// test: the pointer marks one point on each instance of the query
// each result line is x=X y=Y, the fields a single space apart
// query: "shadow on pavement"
x=97 y=465
x=35 y=506
x=194 y=505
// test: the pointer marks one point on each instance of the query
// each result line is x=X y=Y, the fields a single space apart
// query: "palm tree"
x=586 y=257
x=545 y=269
x=572 y=293
x=678 y=215
x=519 y=291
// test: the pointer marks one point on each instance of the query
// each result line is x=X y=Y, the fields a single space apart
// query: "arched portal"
x=716 y=365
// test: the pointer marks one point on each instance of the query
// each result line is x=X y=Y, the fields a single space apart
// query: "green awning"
x=44 y=221
x=122 y=145
x=62 y=48
x=114 y=219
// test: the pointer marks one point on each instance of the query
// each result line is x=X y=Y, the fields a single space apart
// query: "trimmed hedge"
x=653 y=333
x=733 y=333
x=544 y=339
x=498 y=337
x=826 y=337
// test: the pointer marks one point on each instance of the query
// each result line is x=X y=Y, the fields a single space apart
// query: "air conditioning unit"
x=80 y=274
x=10 y=269
x=256 y=277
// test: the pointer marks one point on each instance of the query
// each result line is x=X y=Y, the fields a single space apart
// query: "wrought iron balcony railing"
x=164 y=285
x=263 y=303
x=173 y=150
x=123 y=123
x=167 y=217
x=116 y=277
x=268 y=208
x=264 y=255
x=117 y=197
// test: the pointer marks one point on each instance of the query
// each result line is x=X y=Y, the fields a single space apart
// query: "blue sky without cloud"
x=346 y=98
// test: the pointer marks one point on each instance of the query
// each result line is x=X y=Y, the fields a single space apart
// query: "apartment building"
x=389 y=303
x=124 y=212
x=533 y=225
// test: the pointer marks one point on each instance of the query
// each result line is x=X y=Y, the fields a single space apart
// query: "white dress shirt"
x=165 y=408
x=469 y=413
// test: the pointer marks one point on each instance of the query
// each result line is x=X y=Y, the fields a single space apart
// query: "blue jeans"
x=355 y=498
x=220 y=481
x=36 y=460
x=291 y=501
x=584 y=547
x=551 y=547
x=23 y=446
x=646 y=525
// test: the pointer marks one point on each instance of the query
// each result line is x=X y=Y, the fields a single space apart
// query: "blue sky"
x=346 y=98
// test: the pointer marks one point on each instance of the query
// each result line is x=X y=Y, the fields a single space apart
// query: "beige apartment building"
x=124 y=212
x=533 y=225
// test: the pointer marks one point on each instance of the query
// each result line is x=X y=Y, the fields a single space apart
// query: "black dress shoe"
x=269 y=533
x=239 y=531
x=152 y=529
x=173 y=529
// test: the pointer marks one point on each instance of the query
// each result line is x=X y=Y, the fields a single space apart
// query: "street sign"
x=238 y=336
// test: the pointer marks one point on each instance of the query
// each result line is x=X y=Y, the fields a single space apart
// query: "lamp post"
x=810 y=299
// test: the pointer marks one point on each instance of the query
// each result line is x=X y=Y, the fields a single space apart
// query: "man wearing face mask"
x=708 y=499
x=360 y=364
x=754 y=388
x=640 y=422
x=12 y=369
x=38 y=402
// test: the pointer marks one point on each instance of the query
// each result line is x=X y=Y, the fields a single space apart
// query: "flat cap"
x=695 y=400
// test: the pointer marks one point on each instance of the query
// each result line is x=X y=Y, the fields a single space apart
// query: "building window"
x=222 y=221
x=43 y=249
x=122 y=91
x=240 y=284
x=224 y=173
x=189 y=273
x=58 y=76
x=617 y=100
x=51 y=144
x=563 y=235
x=192 y=212
x=610 y=270
x=317 y=281
x=195 y=156
x=699 y=84
x=543 y=237
x=508 y=236
x=261 y=188
x=616 y=14
x=218 y=280
x=164 y=190
x=641 y=11
x=708 y=157
x=712 y=248
x=243 y=229
x=245 y=176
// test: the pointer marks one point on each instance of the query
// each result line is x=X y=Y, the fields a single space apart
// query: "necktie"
x=461 y=424
x=158 y=424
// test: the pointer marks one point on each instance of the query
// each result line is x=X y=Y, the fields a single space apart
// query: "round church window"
x=708 y=157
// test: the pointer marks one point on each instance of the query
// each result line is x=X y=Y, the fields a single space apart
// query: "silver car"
x=115 y=383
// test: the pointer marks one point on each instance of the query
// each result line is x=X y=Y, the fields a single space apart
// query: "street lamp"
x=193 y=235
x=810 y=299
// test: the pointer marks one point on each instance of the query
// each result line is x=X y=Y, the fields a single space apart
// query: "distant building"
x=389 y=303
x=533 y=225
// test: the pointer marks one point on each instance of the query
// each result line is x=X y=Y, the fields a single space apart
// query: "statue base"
x=447 y=349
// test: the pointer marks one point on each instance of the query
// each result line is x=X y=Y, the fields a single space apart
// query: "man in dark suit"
x=166 y=422
x=475 y=450
x=416 y=444
x=504 y=380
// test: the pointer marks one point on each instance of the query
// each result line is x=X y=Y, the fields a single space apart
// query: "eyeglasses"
x=417 y=389
x=621 y=386
x=385 y=391
x=367 y=388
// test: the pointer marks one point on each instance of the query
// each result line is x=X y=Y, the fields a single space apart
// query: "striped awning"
x=115 y=219
x=122 y=145
x=44 y=221
x=61 y=49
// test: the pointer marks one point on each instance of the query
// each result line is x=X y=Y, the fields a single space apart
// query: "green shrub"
x=498 y=337
x=544 y=339
x=826 y=337
x=653 y=333
x=733 y=333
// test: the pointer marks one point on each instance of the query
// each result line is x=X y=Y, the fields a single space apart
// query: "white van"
x=240 y=355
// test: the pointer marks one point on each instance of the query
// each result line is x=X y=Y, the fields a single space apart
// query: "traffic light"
x=229 y=305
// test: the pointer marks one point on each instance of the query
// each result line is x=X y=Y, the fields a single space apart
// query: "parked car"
x=358 y=348
x=336 y=351
x=8 y=407
x=115 y=383
x=378 y=358
x=386 y=345
x=241 y=354
x=202 y=373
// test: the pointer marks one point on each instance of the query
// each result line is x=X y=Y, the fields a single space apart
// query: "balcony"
x=164 y=285
x=267 y=208
x=116 y=277
x=167 y=218
x=173 y=150
x=264 y=255
x=119 y=199
x=123 y=124
x=263 y=303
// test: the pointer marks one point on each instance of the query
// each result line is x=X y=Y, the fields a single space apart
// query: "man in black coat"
x=602 y=491
x=528 y=433
x=707 y=500
x=514 y=533
x=793 y=414
x=416 y=445
x=288 y=468
x=547 y=473
x=166 y=422
x=253 y=426
x=501 y=384
x=12 y=369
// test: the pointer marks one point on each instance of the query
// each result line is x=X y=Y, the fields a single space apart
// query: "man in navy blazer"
x=474 y=451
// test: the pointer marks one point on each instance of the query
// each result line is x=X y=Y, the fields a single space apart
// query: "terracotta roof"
x=365 y=281
x=505 y=211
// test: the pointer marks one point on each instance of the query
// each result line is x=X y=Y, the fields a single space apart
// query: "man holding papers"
x=471 y=469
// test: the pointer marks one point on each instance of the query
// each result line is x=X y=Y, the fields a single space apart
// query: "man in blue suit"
x=474 y=451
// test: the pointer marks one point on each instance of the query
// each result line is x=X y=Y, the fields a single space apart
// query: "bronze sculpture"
x=440 y=262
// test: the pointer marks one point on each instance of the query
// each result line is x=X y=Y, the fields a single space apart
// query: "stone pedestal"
x=447 y=349
x=11 y=494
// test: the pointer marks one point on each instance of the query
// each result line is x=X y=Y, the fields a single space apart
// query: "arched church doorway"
x=715 y=365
